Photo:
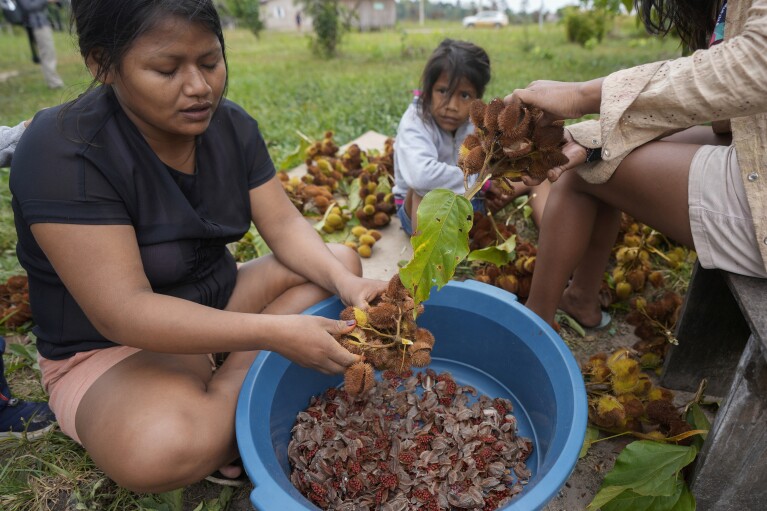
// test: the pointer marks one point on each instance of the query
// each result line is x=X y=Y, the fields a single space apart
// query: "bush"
x=328 y=26
x=584 y=26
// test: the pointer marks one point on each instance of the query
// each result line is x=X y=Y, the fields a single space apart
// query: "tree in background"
x=328 y=25
x=246 y=11
x=588 y=24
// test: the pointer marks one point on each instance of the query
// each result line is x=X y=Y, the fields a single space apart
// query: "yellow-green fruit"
x=364 y=251
x=372 y=187
x=370 y=199
x=334 y=220
x=350 y=244
x=530 y=264
x=623 y=290
x=367 y=239
x=632 y=240
x=359 y=230
x=328 y=228
x=619 y=275
x=369 y=209
x=375 y=234
x=519 y=264
x=370 y=168
x=336 y=210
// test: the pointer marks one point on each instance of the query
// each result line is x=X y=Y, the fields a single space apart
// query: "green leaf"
x=442 y=241
x=645 y=467
x=498 y=255
x=219 y=504
x=297 y=157
x=648 y=467
x=698 y=420
x=168 y=501
x=592 y=434
x=680 y=500
x=354 y=195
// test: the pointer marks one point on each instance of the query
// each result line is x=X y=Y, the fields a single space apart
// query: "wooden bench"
x=722 y=333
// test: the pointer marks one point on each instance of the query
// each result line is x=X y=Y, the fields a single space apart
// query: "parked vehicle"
x=495 y=19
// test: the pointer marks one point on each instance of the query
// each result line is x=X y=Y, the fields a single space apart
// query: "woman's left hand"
x=359 y=291
x=576 y=155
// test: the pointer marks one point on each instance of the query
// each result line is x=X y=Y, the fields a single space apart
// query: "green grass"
x=285 y=88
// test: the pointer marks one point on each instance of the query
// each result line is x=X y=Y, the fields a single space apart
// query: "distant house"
x=370 y=14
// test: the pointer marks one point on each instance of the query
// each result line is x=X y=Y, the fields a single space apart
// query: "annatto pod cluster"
x=14 y=301
x=386 y=336
x=509 y=141
x=330 y=177
x=622 y=398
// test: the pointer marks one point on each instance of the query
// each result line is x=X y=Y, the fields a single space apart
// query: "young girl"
x=122 y=226
x=435 y=125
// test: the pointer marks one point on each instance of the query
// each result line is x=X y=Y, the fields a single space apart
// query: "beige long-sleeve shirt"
x=727 y=81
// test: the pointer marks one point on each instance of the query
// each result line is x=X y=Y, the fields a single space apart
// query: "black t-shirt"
x=89 y=164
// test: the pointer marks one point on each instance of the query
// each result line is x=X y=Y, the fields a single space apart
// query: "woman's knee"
x=168 y=452
x=348 y=256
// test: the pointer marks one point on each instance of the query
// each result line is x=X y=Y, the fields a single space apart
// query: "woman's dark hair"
x=693 y=20
x=459 y=59
x=106 y=29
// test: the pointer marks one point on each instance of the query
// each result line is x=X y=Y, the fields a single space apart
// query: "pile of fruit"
x=345 y=192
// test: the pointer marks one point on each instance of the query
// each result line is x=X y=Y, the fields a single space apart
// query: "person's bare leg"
x=156 y=421
x=650 y=185
x=539 y=196
x=581 y=297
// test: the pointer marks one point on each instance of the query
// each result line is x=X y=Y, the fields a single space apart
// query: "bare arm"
x=298 y=246
x=101 y=267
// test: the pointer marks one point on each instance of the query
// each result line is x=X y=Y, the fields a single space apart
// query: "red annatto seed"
x=422 y=494
x=389 y=481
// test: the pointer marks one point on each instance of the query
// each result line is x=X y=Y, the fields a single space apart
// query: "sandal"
x=218 y=478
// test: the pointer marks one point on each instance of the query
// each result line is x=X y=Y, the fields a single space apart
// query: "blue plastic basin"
x=486 y=339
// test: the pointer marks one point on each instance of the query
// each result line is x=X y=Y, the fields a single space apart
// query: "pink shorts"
x=720 y=218
x=67 y=381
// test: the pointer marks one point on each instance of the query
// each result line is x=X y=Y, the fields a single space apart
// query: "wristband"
x=593 y=155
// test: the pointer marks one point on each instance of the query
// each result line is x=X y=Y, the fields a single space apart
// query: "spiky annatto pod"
x=384 y=316
x=352 y=348
x=477 y=114
x=359 y=378
x=420 y=358
x=471 y=141
x=523 y=127
x=494 y=108
x=377 y=357
x=463 y=152
x=548 y=137
x=662 y=412
x=538 y=168
x=554 y=158
x=396 y=291
x=509 y=116
x=356 y=314
x=474 y=161
x=518 y=148
x=420 y=345
x=393 y=359
x=423 y=335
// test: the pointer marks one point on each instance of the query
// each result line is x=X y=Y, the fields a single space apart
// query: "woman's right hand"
x=309 y=342
x=561 y=100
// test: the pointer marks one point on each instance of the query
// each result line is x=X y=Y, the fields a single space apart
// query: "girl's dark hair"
x=459 y=59
x=693 y=20
x=106 y=29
